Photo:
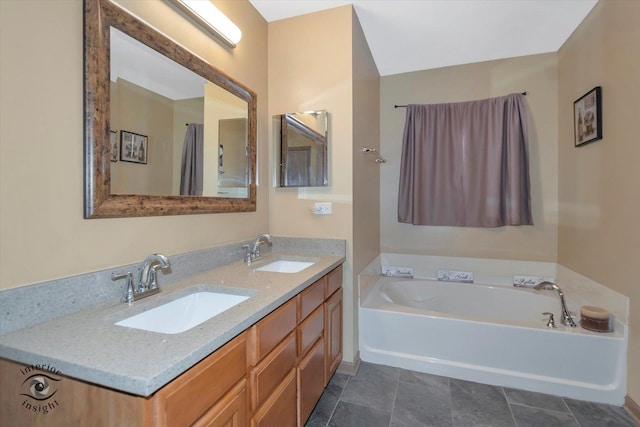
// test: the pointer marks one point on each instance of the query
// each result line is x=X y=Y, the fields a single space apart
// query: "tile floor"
x=385 y=396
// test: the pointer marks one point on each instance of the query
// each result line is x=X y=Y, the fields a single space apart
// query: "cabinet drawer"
x=187 y=398
x=280 y=409
x=310 y=381
x=230 y=411
x=266 y=376
x=311 y=298
x=268 y=332
x=334 y=281
x=310 y=330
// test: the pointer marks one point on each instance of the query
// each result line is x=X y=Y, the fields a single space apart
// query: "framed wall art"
x=113 y=143
x=587 y=117
x=133 y=147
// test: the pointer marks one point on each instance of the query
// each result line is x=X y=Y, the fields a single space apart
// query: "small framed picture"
x=587 y=117
x=133 y=147
x=114 y=145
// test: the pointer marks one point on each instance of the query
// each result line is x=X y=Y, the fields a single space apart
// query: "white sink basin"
x=184 y=313
x=286 y=266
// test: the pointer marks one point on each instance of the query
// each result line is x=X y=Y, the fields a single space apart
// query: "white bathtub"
x=492 y=335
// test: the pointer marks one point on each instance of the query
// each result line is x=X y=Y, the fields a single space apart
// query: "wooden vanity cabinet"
x=281 y=396
x=270 y=375
x=211 y=393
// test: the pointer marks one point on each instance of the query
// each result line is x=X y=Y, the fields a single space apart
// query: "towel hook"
x=379 y=158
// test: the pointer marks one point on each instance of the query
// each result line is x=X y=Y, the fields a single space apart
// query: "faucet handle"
x=129 y=291
x=551 y=323
x=153 y=276
x=247 y=253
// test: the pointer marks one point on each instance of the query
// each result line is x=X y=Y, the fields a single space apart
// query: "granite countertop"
x=88 y=346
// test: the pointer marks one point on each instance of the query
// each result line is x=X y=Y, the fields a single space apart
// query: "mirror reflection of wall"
x=302 y=145
x=137 y=110
x=232 y=152
x=225 y=125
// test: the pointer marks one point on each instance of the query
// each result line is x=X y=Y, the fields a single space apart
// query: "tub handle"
x=551 y=323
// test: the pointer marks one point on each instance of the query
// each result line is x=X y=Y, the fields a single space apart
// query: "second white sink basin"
x=286 y=266
x=183 y=313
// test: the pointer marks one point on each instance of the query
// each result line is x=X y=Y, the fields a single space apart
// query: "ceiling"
x=412 y=35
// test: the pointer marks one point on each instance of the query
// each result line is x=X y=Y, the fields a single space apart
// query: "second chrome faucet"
x=252 y=252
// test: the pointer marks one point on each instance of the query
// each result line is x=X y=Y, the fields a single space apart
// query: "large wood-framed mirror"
x=136 y=167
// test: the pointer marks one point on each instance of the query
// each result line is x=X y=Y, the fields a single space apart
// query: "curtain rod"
x=404 y=106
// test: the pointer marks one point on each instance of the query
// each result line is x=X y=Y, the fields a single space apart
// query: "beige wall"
x=366 y=133
x=599 y=183
x=43 y=234
x=537 y=75
x=299 y=80
x=139 y=110
x=366 y=172
x=310 y=68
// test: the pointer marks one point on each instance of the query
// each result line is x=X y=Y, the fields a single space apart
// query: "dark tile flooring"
x=392 y=397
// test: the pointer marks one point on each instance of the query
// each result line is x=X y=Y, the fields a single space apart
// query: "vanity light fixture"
x=211 y=19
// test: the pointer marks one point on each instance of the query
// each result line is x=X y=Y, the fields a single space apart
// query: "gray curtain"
x=466 y=164
x=192 y=161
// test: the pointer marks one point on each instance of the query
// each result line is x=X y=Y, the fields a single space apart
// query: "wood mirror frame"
x=99 y=16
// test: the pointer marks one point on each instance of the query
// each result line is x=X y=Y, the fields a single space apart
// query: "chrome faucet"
x=147 y=278
x=252 y=253
x=567 y=317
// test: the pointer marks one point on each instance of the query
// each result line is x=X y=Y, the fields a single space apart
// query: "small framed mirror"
x=166 y=133
x=302 y=149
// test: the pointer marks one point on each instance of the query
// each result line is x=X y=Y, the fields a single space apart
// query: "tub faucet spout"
x=567 y=319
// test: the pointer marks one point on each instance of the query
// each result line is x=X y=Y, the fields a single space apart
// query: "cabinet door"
x=310 y=381
x=230 y=411
x=333 y=334
x=280 y=409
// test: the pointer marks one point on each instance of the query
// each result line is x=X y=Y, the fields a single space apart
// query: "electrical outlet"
x=323 y=208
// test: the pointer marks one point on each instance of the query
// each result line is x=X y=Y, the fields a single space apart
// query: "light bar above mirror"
x=211 y=19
